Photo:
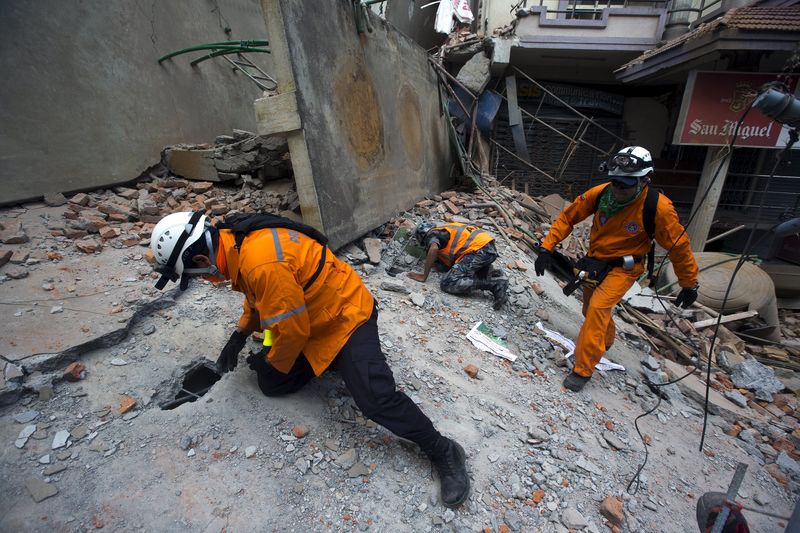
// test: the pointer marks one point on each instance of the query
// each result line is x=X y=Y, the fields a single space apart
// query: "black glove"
x=687 y=297
x=229 y=357
x=543 y=261
x=258 y=361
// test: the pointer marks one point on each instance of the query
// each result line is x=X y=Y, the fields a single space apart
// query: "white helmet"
x=630 y=162
x=171 y=237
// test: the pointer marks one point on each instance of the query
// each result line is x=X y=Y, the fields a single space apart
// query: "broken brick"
x=537 y=496
x=88 y=246
x=200 y=186
x=13 y=233
x=611 y=509
x=449 y=195
x=537 y=289
x=471 y=370
x=126 y=404
x=108 y=232
x=80 y=199
x=149 y=256
x=451 y=207
x=299 y=431
x=74 y=372
x=54 y=256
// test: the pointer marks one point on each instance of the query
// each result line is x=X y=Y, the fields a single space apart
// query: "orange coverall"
x=620 y=235
x=271 y=269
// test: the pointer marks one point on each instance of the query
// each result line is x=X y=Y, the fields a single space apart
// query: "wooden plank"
x=725 y=319
x=277 y=114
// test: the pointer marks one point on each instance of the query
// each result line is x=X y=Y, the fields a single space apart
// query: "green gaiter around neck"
x=610 y=206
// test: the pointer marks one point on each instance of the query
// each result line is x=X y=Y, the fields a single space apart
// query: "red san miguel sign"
x=714 y=102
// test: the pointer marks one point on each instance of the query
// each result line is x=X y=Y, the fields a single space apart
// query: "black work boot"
x=451 y=463
x=575 y=382
x=499 y=292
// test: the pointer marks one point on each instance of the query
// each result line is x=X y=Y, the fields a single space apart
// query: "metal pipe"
x=225 y=51
x=725 y=234
x=214 y=46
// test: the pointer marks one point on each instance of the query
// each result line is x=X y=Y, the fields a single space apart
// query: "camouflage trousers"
x=474 y=266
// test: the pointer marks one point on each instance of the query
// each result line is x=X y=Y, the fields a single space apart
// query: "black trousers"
x=367 y=376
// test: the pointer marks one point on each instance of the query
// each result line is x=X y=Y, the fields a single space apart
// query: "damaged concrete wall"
x=361 y=116
x=85 y=103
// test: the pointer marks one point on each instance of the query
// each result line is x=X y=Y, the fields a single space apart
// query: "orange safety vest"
x=272 y=268
x=463 y=240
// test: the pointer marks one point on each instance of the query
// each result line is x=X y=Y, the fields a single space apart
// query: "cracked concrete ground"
x=230 y=462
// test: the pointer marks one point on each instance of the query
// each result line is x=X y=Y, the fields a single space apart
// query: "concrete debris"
x=26 y=416
x=395 y=287
x=60 y=439
x=39 y=490
x=231 y=157
x=418 y=299
x=750 y=374
x=736 y=398
x=250 y=451
x=572 y=519
x=474 y=75
x=26 y=432
x=374 y=248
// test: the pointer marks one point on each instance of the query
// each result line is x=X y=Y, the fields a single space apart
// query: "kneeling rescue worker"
x=468 y=252
x=628 y=215
x=317 y=313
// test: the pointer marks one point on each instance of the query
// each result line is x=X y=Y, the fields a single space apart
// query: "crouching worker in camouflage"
x=468 y=252
x=317 y=313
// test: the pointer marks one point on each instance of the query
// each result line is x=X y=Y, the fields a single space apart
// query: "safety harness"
x=242 y=224
x=592 y=271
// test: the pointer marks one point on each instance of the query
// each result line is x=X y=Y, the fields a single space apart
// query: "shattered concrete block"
x=16 y=272
x=475 y=73
x=750 y=374
x=54 y=199
x=39 y=490
x=374 y=247
x=13 y=233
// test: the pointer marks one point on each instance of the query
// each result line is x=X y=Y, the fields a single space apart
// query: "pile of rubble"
x=231 y=157
x=767 y=425
x=125 y=216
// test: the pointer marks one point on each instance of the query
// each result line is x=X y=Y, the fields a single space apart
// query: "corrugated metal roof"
x=782 y=19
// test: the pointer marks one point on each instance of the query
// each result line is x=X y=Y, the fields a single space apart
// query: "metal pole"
x=733 y=488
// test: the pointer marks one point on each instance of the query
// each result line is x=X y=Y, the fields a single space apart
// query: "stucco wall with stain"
x=369 y=109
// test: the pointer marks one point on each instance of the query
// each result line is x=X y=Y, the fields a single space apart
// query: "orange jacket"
x=624 y=234
x=463 y=240
x=271 y=269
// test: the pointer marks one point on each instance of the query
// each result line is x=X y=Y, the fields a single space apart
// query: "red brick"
x=80 y=199
x=471 y=370
x=88 y=246
x=537 y=289
x=126 y=404
x=611 y=508
x=74 y=372
x=299 y=431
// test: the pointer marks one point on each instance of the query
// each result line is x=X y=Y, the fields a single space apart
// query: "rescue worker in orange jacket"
x=468 y=252
x=618 y=231
x=318 y=314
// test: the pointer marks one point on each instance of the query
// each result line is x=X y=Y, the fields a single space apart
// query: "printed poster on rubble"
x=482 y=336
x=568 y=346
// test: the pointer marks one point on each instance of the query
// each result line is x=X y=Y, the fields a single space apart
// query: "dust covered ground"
x=540 y=458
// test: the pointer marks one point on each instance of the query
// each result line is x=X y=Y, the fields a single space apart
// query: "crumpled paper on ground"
x=569 y=348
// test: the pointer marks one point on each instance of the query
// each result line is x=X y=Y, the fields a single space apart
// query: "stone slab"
x=372 y=141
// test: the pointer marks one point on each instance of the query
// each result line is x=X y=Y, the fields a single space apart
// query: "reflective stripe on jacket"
x=624 y=234
x=270 y=269
x=463 y=240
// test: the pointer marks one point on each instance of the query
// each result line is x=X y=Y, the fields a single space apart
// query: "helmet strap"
x=168 y=271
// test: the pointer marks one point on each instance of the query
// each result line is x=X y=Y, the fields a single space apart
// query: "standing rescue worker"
x=468 y=252
x=317 y=313
x=618 y=244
